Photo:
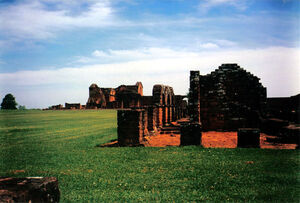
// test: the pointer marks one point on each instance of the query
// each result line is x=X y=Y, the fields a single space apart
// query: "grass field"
x=63 y=144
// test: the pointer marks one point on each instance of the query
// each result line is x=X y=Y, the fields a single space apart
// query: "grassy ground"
x=62 y=144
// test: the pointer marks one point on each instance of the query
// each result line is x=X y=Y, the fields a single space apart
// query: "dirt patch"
x=213 y=139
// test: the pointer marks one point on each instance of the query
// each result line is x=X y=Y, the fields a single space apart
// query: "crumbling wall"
x=230 y=98
x=180 y=107
x=57 y=107
x=163 y=99
x=286 y=108
x=110 y=94
x=73 y=106
x=124 y=96
x=132 y=127
x=96 y=98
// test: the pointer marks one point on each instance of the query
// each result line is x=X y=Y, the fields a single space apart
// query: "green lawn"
x=63 y=144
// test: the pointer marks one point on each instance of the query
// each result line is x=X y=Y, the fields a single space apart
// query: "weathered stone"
x=230 y=98
x=131 y=127
x=57 y=107
x=96 y=98
x=248 y=138
x=194 y=96
x=191 y=134
x=284 y=108
x=73 y=106
x=31 y=189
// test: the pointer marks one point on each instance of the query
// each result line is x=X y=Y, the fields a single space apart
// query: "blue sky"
x=51 y=51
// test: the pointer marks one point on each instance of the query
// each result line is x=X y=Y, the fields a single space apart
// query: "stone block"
x=248 y=138
x=130 y=127
x=191 y=134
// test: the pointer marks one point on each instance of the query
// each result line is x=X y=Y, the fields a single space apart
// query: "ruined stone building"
x=286 y=108
x=227 y=99
x=124 y=96
x=157 y=111
x=73 y=106
x=141 y=114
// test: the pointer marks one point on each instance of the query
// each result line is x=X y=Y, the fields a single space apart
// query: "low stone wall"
x=33 y=189
x=191 y=134
x=248 y=138
x=132 y=127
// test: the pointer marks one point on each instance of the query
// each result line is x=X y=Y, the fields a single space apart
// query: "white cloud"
x=98 y=53
x=206 y=5
x=115 y=56
x=209 y=46
x=34 y=20
x=278 y=68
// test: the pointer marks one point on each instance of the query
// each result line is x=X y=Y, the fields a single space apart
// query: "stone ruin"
x=56 y=107
x=124 y=96
x=228 y=99
x=73 y=106
x=154 y=112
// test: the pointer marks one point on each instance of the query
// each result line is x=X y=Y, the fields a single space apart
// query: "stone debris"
x=30 y=189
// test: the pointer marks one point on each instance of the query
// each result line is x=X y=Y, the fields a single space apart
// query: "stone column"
x=170 y=114
x=151 y=118
x=159 y=116
x=165 y=115
x=194 y=96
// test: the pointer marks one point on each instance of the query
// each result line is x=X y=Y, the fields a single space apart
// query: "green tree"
x=9 y=102
x=22 y=107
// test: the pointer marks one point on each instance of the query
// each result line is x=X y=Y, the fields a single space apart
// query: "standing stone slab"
x=31 y=189
x=130 y=127
x=248 y=137
x=191 y=134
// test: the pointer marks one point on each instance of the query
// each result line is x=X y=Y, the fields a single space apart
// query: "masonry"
x=152 y=113
x=230 y=98
x=124 y=96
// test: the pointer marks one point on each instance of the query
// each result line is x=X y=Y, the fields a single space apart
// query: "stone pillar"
x=248 y=137
x=165 y=115
x=130 y=127
x=145 y=123
x=194 y=96
x=159 y=116
x=191 y=134
x=173 y=113
x=151 y=118
x=170 y=114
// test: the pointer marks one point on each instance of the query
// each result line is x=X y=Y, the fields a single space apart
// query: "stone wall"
x=286 y=108
x=57 y=107
x=73 y=106
x=96 y=98
x=154 y=113
x=124 y=96
x=132 y=127
x=230 y=98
